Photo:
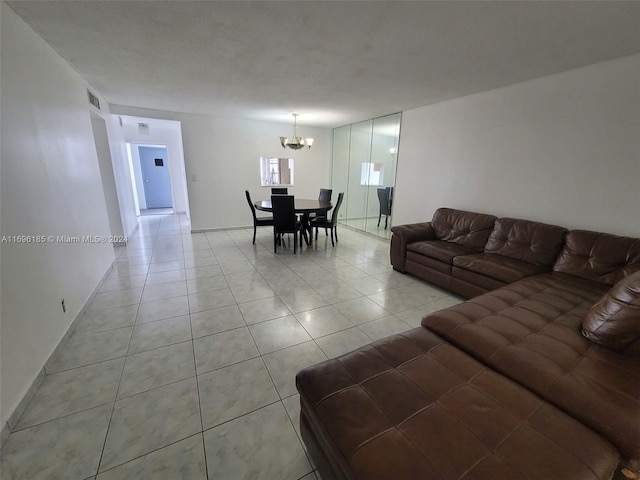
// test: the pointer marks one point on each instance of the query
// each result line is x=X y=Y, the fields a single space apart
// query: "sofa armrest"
x=402 y=236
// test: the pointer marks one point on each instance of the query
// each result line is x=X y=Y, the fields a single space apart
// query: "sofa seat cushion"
x=429 y=262
x=487 y=283
x=412 y=406
x=531 y=332
x=442 y=251
x=498 y=267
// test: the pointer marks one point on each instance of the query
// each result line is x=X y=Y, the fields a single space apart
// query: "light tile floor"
x=184 y=364
x=370 y=225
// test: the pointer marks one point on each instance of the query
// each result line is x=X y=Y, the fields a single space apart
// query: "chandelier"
x=298 y=142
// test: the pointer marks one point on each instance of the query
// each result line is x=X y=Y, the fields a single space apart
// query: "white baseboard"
x=219 y=229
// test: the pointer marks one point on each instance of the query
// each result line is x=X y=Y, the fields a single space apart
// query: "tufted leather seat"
x=530 y=332
x=412 y=406
x=478 y=267
x=559 y=337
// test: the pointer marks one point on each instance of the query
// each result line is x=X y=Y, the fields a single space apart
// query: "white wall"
x=563 y=149
x=50 y=185
x=224 y=153
x=137 y=169
x=121 y=172
x=99 y=128
x=124 y=202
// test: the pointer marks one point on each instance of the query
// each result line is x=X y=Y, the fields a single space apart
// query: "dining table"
x=302 y=206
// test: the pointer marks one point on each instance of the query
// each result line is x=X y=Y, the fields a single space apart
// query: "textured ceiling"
x=332 y=62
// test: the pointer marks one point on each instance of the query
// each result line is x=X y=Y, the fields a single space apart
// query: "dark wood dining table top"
x=301 y=205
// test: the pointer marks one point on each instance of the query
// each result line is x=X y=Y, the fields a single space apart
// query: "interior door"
x=155 y=177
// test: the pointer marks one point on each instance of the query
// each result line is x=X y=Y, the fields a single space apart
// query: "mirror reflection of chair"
x=322 y=222
x=279 y=191
x=285 y=220
x=257 y=221
x=384 y=197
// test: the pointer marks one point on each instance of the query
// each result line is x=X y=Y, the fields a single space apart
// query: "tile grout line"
x=115 y=400
x=271 y=377
x=281 y=399
x=195 y=369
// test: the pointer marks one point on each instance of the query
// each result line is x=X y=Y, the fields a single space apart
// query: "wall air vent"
x=93 y=100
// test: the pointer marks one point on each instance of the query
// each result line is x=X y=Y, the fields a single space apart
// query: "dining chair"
x=285 y=220
x=324 y=196
x=279 y=191
x=384 y=197
x=257 y=221
x=322 y=222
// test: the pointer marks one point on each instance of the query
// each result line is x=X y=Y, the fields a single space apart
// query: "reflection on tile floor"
x=184 y=364
x=370 y=225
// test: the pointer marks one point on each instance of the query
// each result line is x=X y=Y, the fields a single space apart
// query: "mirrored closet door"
x=364 y=167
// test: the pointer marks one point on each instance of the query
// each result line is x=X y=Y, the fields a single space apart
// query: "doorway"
x=152 y=178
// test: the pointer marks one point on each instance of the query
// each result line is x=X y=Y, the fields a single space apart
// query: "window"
x=371 y=174
x=276 y=171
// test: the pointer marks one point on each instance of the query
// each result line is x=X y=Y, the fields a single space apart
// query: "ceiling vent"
x=93 y=100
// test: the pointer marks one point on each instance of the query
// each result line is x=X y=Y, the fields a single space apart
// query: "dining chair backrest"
x=325 y=195
x=279 y=191
x=284 y=213
x=334 y=214
x=253 y=209
x=383 y=197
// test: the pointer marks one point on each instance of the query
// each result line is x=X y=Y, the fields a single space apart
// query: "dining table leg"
x=306 y=228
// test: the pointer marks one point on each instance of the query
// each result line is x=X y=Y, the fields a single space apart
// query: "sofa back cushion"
x=614 y=321
x=531 y=242
x=464 y=228
x=599 y=257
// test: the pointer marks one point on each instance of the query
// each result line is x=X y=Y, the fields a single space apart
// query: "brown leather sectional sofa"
x=537 y=379
x=472 y=253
